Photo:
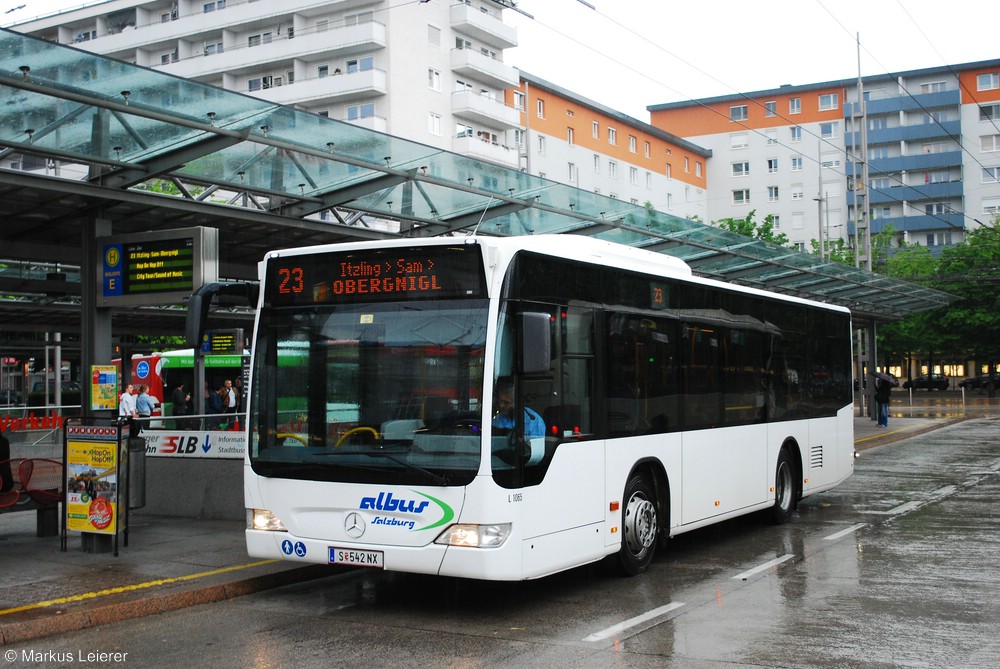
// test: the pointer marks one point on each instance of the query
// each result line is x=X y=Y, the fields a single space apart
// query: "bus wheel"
x=784 y=489
x=639 y=526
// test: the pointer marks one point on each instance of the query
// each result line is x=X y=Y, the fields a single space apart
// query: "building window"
x=612 y=169
x=772 y=165
x=697 y=168
x=631 y=143
x=739 y=140
x=741 y=196
x=687 y=165
x=633 y=175
x=462 y=130
x=212 y=6
x=771 y=135
x=829 y=130
x=572 y=173
x=366 y=110
x=597 y=164
x=519 y=139
x=989 y=112
x=596 y=129
x=987 y=81
x=989 y=143
x=878 y=153
x=991 y=205
x=322 y=71
x=933 y=87
x=795 y=105
x=829 y=160
x=540 y=108
x=668 y=171
x=612 y=136
x=771 y=108
x=829 y=101
x=541 y=145
x=257 y=40
x=360 y=64
x=796 y=163
x=434 y=123
x=649 y=179
x=991 y=174
x=519 y=101
x=649 y=151
x=213 y=48
x=433 y=79
x=797 y=192
x=738 y=113
x=741 y=169
x=569 y=136
x=796 y=133
x=772 y=193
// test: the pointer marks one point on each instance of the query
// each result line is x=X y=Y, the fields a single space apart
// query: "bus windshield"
x=388 y=392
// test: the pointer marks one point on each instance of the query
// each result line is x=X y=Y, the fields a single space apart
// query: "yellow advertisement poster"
x=92 y=479
x=104 y=387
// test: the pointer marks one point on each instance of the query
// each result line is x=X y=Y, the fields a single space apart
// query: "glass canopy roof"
x=71 y=105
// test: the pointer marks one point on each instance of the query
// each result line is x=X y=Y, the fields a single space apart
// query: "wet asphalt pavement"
x=898 y=567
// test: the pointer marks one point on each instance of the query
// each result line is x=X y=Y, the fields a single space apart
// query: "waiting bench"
x=33 y=484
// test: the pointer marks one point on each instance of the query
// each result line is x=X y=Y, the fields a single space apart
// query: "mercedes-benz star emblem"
x=354 y=524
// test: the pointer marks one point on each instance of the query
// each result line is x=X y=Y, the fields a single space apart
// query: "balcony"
x=470 y=63
x=916 y=162
x=376 y=123
x=921 y=101
x=928 y=191
x=482 y=26
x=477 y=108
x=909 y=133
x=475 y=147
x=335 y=88
x=331 y=44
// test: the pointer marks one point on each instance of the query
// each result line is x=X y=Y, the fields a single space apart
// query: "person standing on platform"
x=882 y=397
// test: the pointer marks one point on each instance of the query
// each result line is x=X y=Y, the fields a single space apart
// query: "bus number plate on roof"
x=353 y=556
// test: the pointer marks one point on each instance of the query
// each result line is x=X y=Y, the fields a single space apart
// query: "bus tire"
x=640 y=526
x=785 y=489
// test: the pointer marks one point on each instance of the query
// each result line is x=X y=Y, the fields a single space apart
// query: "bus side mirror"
x=535 y=342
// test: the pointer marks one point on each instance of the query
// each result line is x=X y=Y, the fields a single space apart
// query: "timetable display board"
x=157 y=268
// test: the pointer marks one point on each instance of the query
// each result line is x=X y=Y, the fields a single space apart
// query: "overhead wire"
x=757 y=103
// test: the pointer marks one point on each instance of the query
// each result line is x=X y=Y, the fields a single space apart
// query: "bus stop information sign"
x=157 y=267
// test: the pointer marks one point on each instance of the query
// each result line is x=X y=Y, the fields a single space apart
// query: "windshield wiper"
x=436 y=478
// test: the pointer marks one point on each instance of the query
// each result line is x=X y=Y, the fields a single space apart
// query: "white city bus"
x=638 y=402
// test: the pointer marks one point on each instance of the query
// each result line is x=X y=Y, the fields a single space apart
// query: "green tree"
x=748 y=227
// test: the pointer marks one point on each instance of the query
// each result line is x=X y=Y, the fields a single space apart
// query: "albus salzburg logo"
x=386 y=503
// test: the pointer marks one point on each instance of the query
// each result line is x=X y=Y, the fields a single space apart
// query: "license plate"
x=355 y=557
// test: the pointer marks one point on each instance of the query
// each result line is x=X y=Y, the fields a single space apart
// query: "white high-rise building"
x=431 y=72
x=414 y=70
x=932 y=150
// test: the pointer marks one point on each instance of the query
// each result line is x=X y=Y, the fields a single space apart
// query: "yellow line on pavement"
x=878 y=435
x=130 y=588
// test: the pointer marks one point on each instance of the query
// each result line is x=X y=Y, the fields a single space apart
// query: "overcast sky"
x=627 y=54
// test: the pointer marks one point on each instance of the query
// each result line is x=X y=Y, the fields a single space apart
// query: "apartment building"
x=933 y=153
x=431 y=72
x=568 y=138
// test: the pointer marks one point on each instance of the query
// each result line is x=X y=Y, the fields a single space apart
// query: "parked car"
x=981 y=381
x=928 y=382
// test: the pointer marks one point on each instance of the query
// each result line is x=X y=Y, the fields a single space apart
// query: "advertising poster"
x=92 y=482
x=104 y=387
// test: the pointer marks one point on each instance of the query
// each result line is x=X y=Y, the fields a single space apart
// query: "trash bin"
x=136 y=472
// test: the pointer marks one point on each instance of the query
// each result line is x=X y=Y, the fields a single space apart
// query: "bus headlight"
x=262 y=519
x=475 y=536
